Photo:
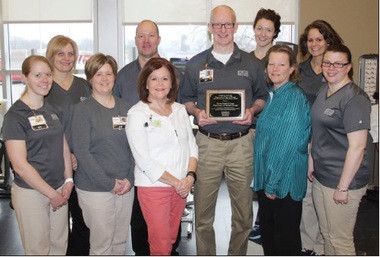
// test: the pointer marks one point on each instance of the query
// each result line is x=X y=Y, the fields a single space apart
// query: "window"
x=180 y=41
x=28 y=39
x=27 y=31
x=182 y=24
x=183 y=27
x=245 y=39
x=185 y=41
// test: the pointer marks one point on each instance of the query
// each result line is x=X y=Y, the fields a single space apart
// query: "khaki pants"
x=337 y=221
x=234 y=158
x=310 y=233
x=42 y=231
x=108 y=217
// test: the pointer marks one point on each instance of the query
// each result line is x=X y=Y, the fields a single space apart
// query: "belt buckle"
x=223 y=136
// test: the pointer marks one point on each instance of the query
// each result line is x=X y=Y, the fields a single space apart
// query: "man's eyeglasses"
x=335 y=64
x=220 y=25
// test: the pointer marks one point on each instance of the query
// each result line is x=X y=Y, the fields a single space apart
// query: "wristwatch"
x=193 y=174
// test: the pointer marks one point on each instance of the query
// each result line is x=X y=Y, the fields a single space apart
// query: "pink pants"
x=162 y=208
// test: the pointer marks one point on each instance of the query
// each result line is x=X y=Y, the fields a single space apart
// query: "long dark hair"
x=329 y=34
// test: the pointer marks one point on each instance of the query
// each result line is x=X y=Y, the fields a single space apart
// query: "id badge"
x=119 y=123
x=206 y=75
x=38 y=122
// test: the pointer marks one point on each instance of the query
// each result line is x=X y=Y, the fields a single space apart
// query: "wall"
x=356 y=21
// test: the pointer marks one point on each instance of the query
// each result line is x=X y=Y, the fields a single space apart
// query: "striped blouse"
x=280 y=148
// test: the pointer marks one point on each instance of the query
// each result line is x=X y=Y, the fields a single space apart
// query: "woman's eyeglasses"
x=335 y=64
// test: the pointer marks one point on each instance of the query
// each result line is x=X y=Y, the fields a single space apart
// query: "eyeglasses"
x=335 y=64
x=220 y=25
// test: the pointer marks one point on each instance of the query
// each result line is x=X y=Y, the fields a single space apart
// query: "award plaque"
x=225 y=105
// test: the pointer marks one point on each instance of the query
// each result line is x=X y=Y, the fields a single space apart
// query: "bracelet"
x=193 y=174
x=341 y=190
x=69 y=180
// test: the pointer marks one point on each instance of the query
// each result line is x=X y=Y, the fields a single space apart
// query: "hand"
x=66 y=190
x=184 y=186
x=340 y=197
x=74 y=162
x=247 y=118
x=121 y=187
x=310 y=175
x=57 y=201
x=272 y=197
x=203 y=120
x=126 y=188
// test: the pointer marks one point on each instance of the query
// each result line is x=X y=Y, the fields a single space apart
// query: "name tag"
x=206 y=76
x=119 y=123
x=38 y=122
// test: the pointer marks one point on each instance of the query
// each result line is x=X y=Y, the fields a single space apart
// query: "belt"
x=224 y=136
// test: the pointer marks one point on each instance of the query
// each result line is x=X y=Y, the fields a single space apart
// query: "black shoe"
x=316 y=254
x=306 y=252
x=255 y=233
x=174 y=253
x=360 y=253
x=142 y=253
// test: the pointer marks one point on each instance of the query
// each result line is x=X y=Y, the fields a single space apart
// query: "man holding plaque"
x=223 y=88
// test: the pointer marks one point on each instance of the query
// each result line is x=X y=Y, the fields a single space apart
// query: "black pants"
x=79 y=235
x=139 y=231
x=280 y=225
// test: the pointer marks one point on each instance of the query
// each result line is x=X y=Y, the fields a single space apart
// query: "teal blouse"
x=281 y=143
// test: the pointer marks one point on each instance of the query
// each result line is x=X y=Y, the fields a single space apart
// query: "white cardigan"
x=160 y=143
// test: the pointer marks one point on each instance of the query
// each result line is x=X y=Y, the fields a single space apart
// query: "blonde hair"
x=56 y=44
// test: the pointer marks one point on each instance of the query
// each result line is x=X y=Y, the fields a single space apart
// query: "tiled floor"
x=366 y=230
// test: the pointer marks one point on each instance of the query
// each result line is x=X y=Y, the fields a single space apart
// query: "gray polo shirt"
x=333 y=117
x=126 y=82
x=64 y=101
x=44 y=147
x=240 y=72
x=310 y=81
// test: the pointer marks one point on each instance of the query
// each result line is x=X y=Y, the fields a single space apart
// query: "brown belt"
x=224 y=136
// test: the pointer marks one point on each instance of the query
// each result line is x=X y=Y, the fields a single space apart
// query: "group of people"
x=128 y=145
